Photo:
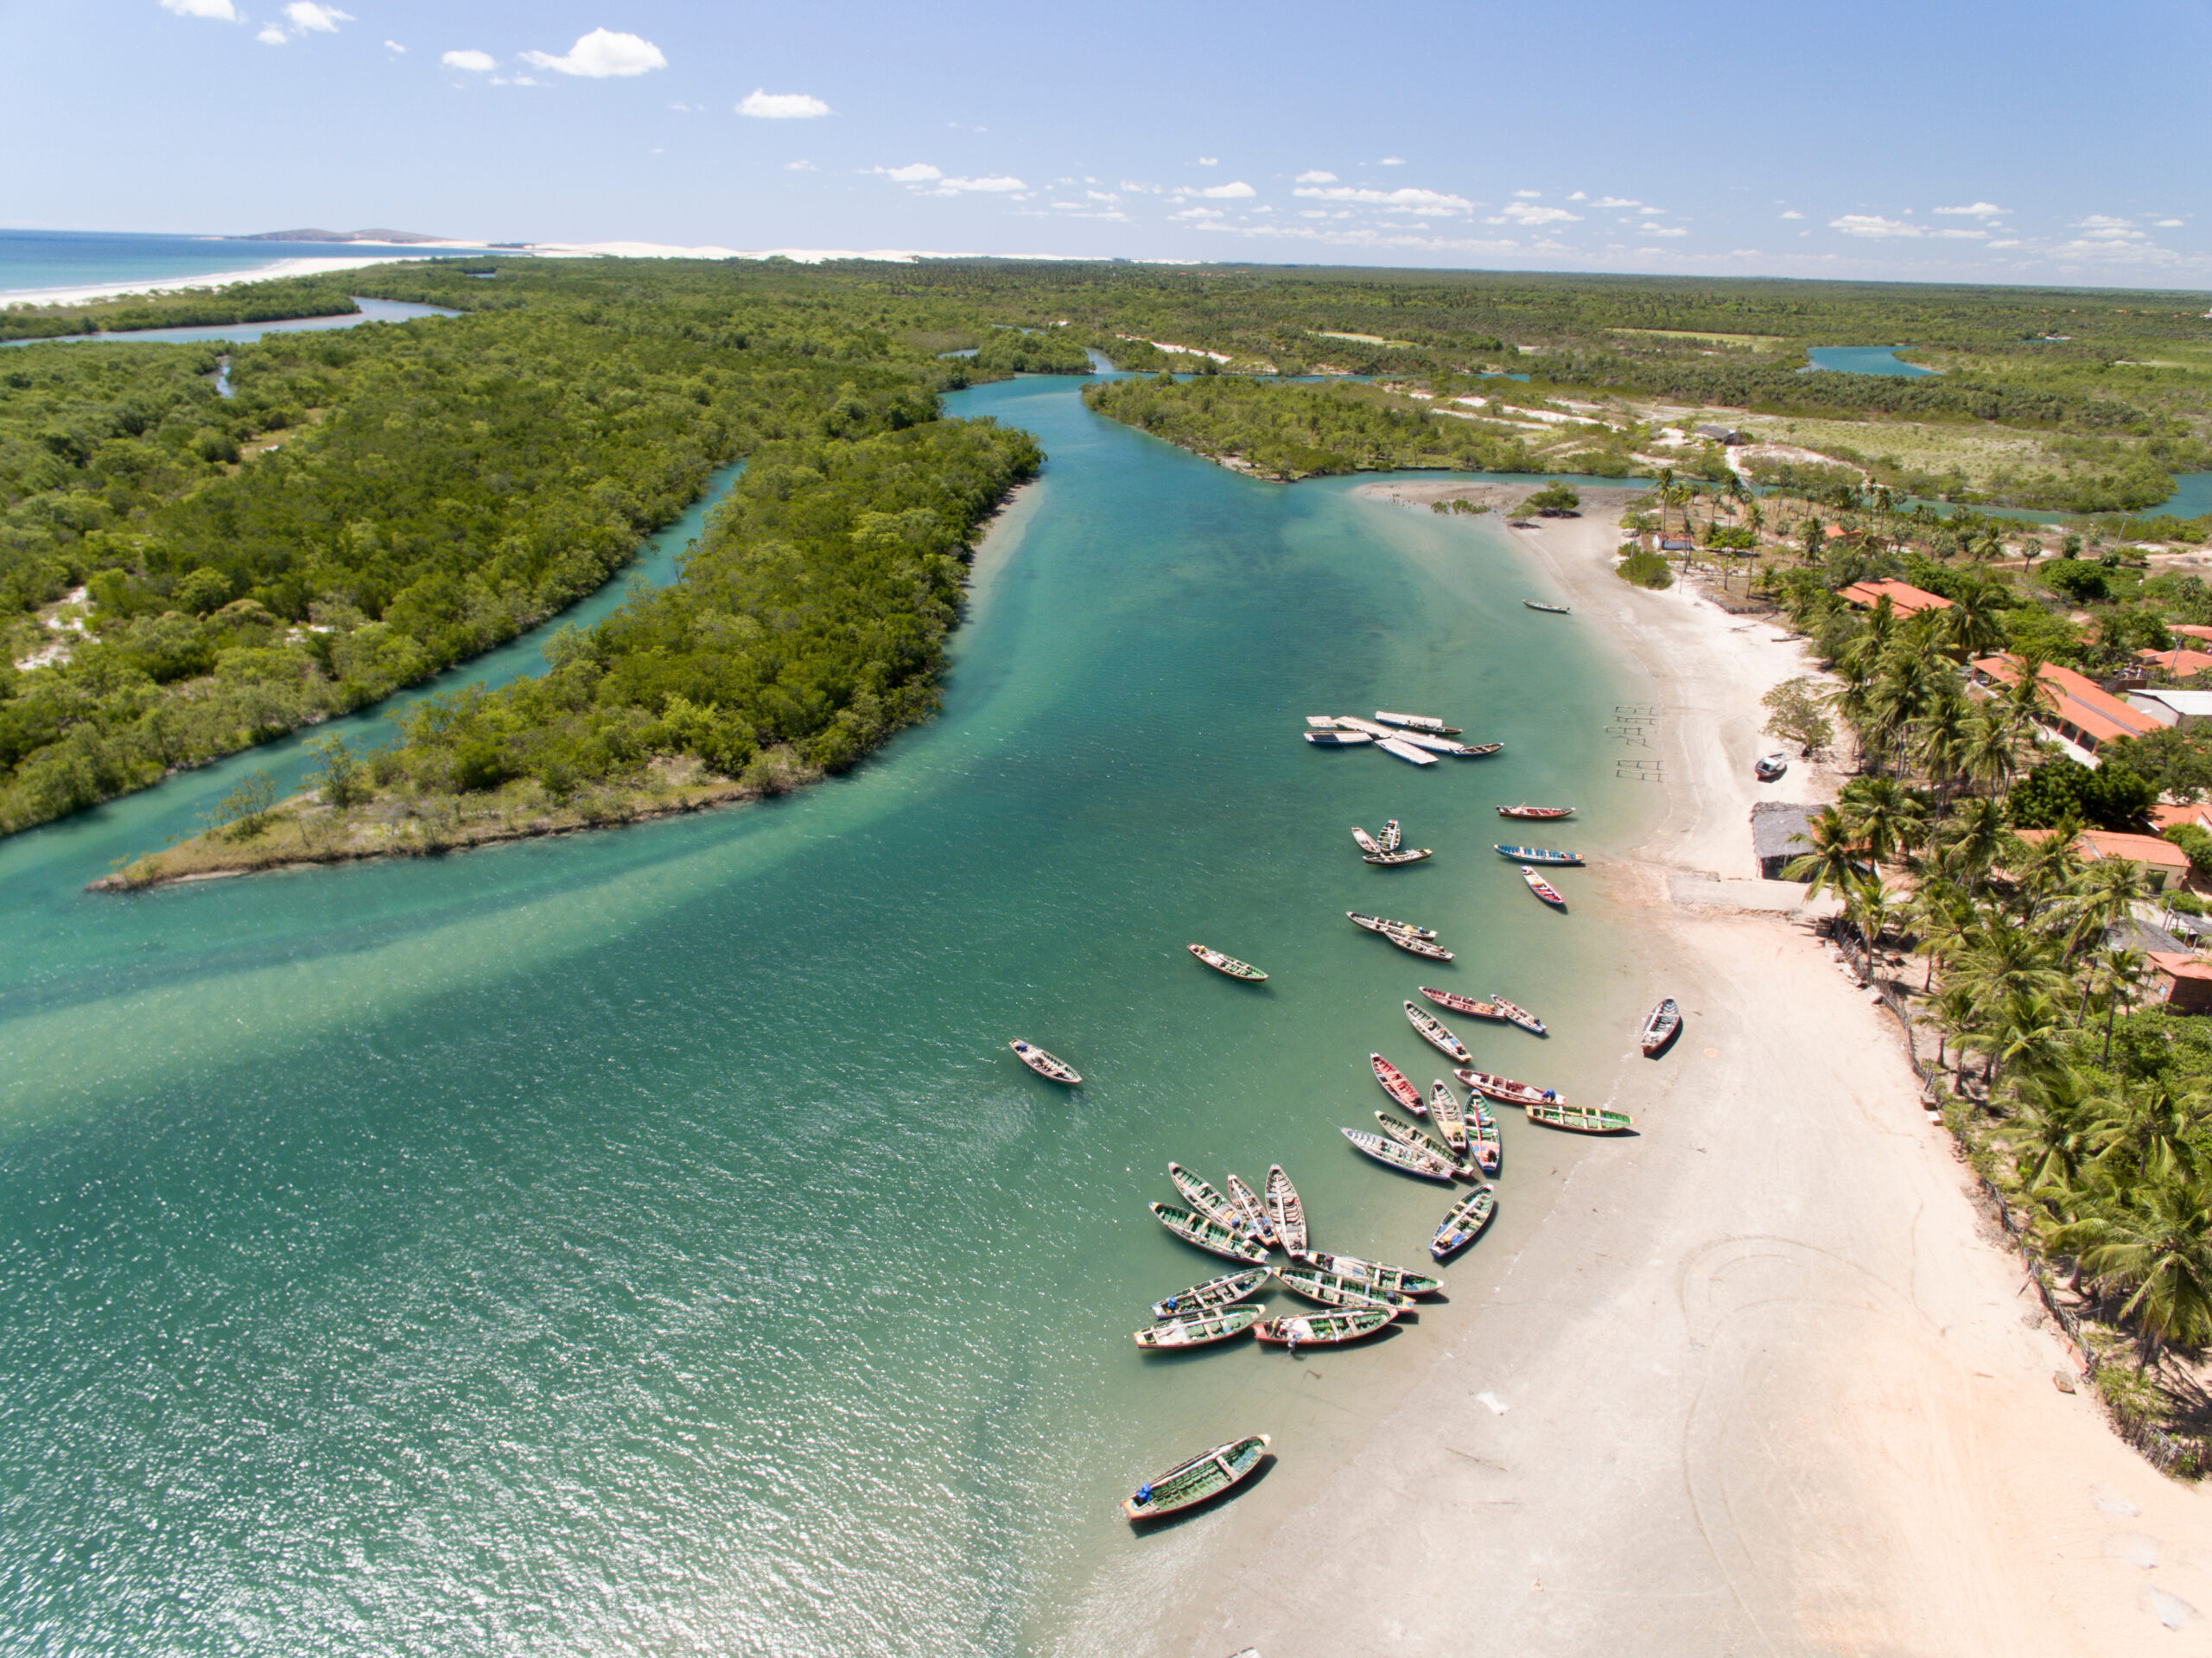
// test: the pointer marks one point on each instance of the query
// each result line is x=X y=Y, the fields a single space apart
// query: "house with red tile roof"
x=1905 y=599
x=2162 y=861
x=2076 y=709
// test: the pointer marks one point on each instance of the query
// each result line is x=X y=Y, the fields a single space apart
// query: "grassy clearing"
x=1979 y=453
x=1755 y=341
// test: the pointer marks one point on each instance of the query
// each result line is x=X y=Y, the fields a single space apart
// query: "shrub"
x=1646 y=570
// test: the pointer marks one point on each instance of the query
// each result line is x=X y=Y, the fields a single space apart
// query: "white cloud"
x=322 y=20
x=1661 y=230
x=1579 y=195
x=1523 y=213
x=1872 y=225
x=1615 y=201
x=1208 y=161
x=1529 y=194
x=1793 y=214
x=1392 y=160
x=1976 y=210
x=1136 y=189
x=1234 y=192
x=2167 y=223
x=394 y=46
x=1000 y=184
x=782 y=106
x=1315 y=176
x=1414 y=200
x=801 y=166
x=1197 y=213
x=601 y=53
x=1102 y=195
x=271 y=34
x=220 y=11
x=470 y=62
x=941 y=185
x=912 y=173
x=2004 y=244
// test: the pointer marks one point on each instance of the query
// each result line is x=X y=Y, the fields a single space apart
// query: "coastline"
x=1763 y=1377
x=82 y=294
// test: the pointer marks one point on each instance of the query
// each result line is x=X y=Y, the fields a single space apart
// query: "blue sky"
x=2024 y=144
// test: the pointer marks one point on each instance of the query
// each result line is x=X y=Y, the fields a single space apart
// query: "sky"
x=2027 y=143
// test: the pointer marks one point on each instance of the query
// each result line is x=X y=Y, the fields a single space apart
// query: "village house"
x=2079 y=713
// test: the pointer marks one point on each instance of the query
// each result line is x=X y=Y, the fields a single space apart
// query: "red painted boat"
x=1542 y=888
x=1398 y=1085
x=1536 y=811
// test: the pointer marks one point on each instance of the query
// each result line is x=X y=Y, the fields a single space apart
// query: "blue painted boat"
x=1536 y=855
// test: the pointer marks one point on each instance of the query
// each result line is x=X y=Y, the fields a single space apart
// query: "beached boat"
x=1521 y=1016
x=1331 y=1290
x=1323 y=1329
x=1580 y=1119
x=1398 y=748
x=1403 y=854
x=1392 y=837
x=1432 y=1030
x=1206 y=1475
x=1364 y=840
x=1542 y=888
x=1450 y=1118
x=1504 y=1089
x=1386 y=1151
x=1417 y=722
x=1211 y=1236
x=1483 y=1141
x=1414 y=1140
x=1376 y=1275
x=1549 y=610
x=1228 y=965
x=1536 y=811
x=1659 y=1029
x=1464 y=1223
x=1337 y=738
x=1250 y=1209
x=1202 y=1196
x=1285 y=1212
x=1767 y=769
x=1384 y=925
x=1538 y=855
x=1435 y=744
x=1399 y=1086
x=1483 y=751
x=1225 y=1291
x=1198 y=1328
x=1055 y=1070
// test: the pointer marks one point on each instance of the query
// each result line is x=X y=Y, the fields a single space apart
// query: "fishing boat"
x=1403 y=854
x=1549 y=610
x=1417 y=722
x=1398 y=748
x=1285 y=1212
x=1772 y=766
x=1483 y=751
x=1505 y=1090
x=1386 y=1151
x=1416 y=946
x=1431 y=1030
x=1580 y=1119
x=1464 y=1223
x=1053 y=1071
x=1413 y=1141
x=1435 y=744
x=1331 y=1290
x=1323 y=1329
x=1542 y=888
x=1384 y=925
x=1536 y=811
x=1450 y=1118
x=1198 y=1328
x=1376 y=1276
x=1206 y=1475
x=1399 y=1086
x=1659 y=1029
x=1392 y=836
x=1483 y=1141
x=1337 y=738
x=1250 y=1209
x=1225 y=1291
x=1345 y=723
x=1320 y=722
x=1203 y=1197
x=1364 y=840
x=1496 y=1007
x=1521 y=1016
x=1228 y=965
x=1538 y=855
x=1211 y=1236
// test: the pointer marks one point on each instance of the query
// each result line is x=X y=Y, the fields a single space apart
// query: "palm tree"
x=1973 y=626
x=1884 y=817
x=1867 y=906
x=1990 y=749
x=2000 y=963
x=1940 y=735
x=2121 y=970
x=2106 y=895
x=1953 y=1009
x=1836 y=859
x=1941 y=914
x=2052 y=1139
x=1977 y=839
x=2028 y=1032
x=2146 y=1132
x=2157 y=1243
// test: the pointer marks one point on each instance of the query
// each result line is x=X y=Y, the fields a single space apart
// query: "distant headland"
x=388 y=237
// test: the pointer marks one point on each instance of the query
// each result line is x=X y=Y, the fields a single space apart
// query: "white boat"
x=1403 y=854
x=1433 y=1031
x=1055 y=1070
x=1365 y=841
x=1337 y=738
x=1392 y=836
x=1399 y=749
x=1433 y=744
x=1345 y=723
x=1417 y=722
x=1321 y=722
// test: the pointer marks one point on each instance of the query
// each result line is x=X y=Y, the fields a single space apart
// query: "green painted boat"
x=1374 y=1274
x=1580 y=1119
x=1214 y=1292
x=1206 y=1475
x=1413 y=1140
x=1464 y=1223
x=1323 y=1329
x=1198 y=1328
x=1211 y=1236
x=1228 y=965
x=1402 y=1157
x=1331 y=1290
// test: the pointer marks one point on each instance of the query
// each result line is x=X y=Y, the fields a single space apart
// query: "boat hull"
x=1404 y=1158
x=1201 y=1478
x=1225 y=1291
x=1211 y=1236
x=1324 y=1330
x=1579 y=1118
x=1052 y=1069
x=1329 y=1289
x=1200 y=1329
x=1464 y=1223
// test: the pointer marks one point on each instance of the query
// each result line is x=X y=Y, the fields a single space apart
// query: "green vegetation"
x=1009 y=351
x=1554 y=498
x=261 y=302
x=1645 y=569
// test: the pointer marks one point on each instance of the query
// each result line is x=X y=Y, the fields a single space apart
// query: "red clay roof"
x=2178 y=965
x=2178 y=662
x=2138 y=848
x=2168 y=816
x=2190 y=630
x=2079 y=702
x=1905 y=599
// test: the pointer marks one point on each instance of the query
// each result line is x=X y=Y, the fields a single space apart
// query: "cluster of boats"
x=1388 y=847
x=1417 y=739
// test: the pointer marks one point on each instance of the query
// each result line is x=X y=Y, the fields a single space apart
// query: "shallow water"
x=1864 y=359
x=372 y=310
x=643 y=1240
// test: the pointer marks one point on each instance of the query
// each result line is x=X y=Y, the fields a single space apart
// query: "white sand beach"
x=1763 y=1380
x=317 y=266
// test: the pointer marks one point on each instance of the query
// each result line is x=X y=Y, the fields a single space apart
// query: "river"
x=642 y=1241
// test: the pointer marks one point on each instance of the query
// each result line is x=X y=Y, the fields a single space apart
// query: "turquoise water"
x=1864 y=359
x=34 y=259
x=372 y=310
x=2192 y=496
x=643 y=1240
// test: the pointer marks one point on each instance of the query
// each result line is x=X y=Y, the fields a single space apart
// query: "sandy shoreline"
x=85 y=293
x=1762 y=1379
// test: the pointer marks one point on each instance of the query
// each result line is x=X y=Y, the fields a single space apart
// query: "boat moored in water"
x=1208 y=1235
x=1337 y=738
x=1435 y=744
x=1399 y=1086
x=1225 y=1291
x=1392 y=836
x=1483 y=751
x=1405 y=1158
x=1052 y=1069
x=1536 y=811
x=1433 y=1031
x=1203 y=1197
x=1376 y=1275
x=1285 y=1212
x=1505 y=1090
x=1414 y=1140
x=1203 y=1476
x=1660 y=1027
x=1450 y=1118
x=1398 y=748
x=1542 y=888
x=1538 y=855
x=1364 y=840
x=1251 y=1209
x=1226 y=964
x=1331 y=1290
x=1323 y=1329
x=1417 y=722
x=1403 y=854
x=1385 y=925
x=1198 y=1329
x=1464 y=1223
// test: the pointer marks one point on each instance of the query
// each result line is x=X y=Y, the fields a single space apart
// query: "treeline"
x=1289 y=430
x=273 y=300
x=1043 y=352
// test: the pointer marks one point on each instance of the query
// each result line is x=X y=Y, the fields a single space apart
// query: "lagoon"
x=1864 y=359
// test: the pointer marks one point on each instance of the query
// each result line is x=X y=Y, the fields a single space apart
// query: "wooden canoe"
x=1538 y=855
x=1324 y=1329
x=1225 y=1291
x=1521 y=1016
x=1542 y=888
x=1418 y=723
x=1414 y=1139
x=1483 y=751
x=1536 y=811
x=1579 y=1118
x=1204 y=1475
x=1198 y=1328
x=1334 y=1290
x=1210 y=1235
x=1399 y=1086
x=1228 y=965
x=1286 y=1212
x=1403 y=855
x=1505 y=1090
x=1464 y=1223
x=1337 y=738
x=1483 y=1139
x=1659 y=1029
x=1364 y=840
x=1451 y=1120
x=1382 y=923
x=1389 y=1152
x=1250 y=1209
x=1376 y=1275
x=1433 y=1031
x=1202 y=1196
x=1392 y=837
x=1053 y=1071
